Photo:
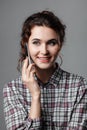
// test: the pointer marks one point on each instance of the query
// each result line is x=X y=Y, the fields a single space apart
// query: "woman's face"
x=43 y=46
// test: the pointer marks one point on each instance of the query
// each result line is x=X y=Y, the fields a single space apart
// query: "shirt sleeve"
x=78 y=119
x=16 y=117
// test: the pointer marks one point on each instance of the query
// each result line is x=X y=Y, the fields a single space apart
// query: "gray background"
x=13 y=13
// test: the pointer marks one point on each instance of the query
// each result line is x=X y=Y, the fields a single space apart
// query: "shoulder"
x=14 y=83
x=74 y=80
x=14 y=86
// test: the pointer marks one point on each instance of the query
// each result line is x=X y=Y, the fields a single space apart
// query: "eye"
x=36 y=42
x=52 y=42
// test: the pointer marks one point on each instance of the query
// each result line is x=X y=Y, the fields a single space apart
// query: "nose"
x=44 y=49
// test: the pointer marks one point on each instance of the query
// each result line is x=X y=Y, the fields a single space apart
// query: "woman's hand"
x=28 y=72
x=28 y=78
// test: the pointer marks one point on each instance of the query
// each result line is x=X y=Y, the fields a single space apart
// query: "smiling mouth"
x=44 y=59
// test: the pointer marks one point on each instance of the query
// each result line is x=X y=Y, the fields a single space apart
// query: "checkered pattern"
x=63 y=104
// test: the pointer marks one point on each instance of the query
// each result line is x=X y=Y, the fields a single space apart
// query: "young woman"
x=45 y=97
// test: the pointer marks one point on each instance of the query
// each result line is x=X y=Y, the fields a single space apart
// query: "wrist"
x=35 y=110
x=36 y=98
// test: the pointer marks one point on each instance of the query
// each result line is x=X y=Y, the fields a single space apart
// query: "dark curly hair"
x=44 y=18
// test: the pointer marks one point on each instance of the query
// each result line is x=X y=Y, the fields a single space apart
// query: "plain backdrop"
x=13 y=13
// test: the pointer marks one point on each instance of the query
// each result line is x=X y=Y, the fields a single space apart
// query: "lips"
x=44 y=59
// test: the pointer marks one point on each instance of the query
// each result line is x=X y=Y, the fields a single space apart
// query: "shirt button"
x=44 y=89
x=45 y=105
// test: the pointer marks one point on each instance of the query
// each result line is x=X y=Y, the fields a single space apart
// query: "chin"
x=44 y=66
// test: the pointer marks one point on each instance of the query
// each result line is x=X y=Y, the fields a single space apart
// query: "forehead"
x=43 y=32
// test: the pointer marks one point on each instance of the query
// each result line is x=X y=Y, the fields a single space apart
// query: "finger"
x=32 y=72
x=30 y=69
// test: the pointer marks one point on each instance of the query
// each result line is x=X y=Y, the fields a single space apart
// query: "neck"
x=45 y=74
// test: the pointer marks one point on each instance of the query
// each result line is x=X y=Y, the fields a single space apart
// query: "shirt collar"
x=54 y=79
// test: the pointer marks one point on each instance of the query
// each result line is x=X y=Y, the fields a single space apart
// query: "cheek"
x=55 y=51
x=33 y=51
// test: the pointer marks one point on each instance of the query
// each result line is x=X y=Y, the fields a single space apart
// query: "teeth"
x=43 y=57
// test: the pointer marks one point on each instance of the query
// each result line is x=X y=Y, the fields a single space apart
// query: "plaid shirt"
x=63 y=104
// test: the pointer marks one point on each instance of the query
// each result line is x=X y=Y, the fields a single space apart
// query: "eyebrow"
x=53 y=39
x=56 y=40
x=35 y=39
